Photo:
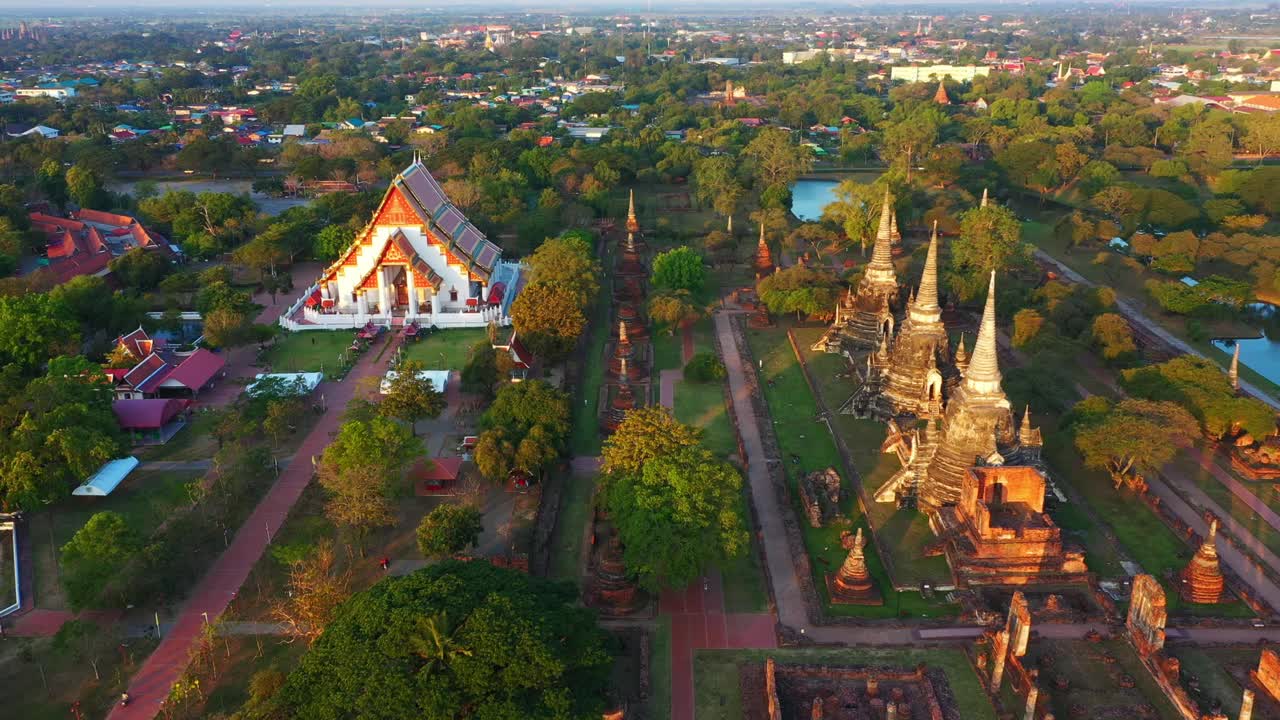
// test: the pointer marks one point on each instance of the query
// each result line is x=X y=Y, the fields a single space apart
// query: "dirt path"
x=150 y=686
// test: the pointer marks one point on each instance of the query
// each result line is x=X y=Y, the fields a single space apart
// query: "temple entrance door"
x=401 y=285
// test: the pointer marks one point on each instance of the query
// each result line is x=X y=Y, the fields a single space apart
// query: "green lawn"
x=744 y=583
x=903 y=532
x=702 y=405
x=1209 y=666
x=445 y=349
x=566 y=541
x=660 y=670
x=806 y=445
x=667 y=353
x=1189 y=467
x=586 y=436
x=1093 y=683
x=37 y=682
x=310 y=351
x=718 y=692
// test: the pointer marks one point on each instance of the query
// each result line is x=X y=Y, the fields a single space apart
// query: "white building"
x=933 y=73
x=57 y=92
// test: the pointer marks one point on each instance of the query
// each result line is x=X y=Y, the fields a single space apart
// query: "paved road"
x=150 y=686
x=667 y=380
x=1133 y=314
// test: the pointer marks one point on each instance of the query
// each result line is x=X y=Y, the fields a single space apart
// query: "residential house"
x=153 y=369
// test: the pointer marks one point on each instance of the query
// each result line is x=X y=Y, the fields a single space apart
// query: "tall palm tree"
x=433 y=639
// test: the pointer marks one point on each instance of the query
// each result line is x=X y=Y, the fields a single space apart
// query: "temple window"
x=453 y=294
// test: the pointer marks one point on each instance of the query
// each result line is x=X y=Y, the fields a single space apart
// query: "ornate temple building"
x=999 y=534
x=865 y=315
x=976 y=428
x=910 y=374
x=419 y=259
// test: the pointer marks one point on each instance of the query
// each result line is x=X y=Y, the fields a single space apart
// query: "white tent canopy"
x=107 y=477
x=291 y=383
x=439 y=379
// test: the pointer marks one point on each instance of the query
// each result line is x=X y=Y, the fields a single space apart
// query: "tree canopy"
x=454 y=640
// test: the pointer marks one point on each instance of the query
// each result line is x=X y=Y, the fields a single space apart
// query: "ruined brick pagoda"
x=1202 y=580
x=999 y=534
x=852 y=584
x=865 y=314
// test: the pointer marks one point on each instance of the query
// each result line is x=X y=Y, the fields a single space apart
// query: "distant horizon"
x=76 y=9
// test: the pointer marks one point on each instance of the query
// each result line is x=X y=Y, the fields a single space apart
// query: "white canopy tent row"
x=108 y=477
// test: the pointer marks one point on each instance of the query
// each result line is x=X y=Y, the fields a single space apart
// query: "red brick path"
x=150 y=686
x=698 y=622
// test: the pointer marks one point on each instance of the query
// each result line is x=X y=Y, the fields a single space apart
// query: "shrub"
x=704 y=367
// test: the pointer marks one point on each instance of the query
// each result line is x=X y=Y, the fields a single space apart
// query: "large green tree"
x=525 y=428
x=549 y=318
x=776 y=160
x=679 y=269
x=455 y=640
x=411 y=397
x=96 y=554
x=449 y=529
x=1131 y=437
x=799 y=289
x=678 y=516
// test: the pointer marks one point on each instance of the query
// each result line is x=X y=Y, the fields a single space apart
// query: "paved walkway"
x=1133 y=314
x=150 y=686
x=699 y=622
x=782 y=571
x=667 y=380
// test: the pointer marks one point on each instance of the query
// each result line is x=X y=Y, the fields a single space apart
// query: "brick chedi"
x=999 y=534
x=763 y=259
x=866 y=313
x=1202 y=580
x=623 y=400
x=629 y=264
x=852 y=583
x=624 y=361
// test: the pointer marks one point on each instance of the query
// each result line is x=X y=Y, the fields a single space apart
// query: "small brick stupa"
x=623 y=400
x=852 y=584
x=941 y=96
x=764 y=259
x=624 y=356
x=629 y=264
x=1202 y=578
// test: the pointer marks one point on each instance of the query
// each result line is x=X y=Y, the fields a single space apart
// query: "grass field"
x=660 y=670
x=744 y=583
x=566 y=541
x=718 y=695
x=310 y=351
x=1142 y=534
x=145 y=499
x=1093 y=682
x=1208 y=665
x=806 y=445
x=702 y=405
x=445 y=349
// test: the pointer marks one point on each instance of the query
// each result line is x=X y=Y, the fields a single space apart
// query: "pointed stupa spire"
x=962 y=355
x=622 y=333
x=630 y=245
x=1234 y=372
x=894 y=235
x=633 y=225
x=927 y=298
x=879 y=274
x=941 y=97
x=984 y=198
x=983 y=375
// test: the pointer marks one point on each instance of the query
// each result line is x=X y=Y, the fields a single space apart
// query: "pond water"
x=1262 y=355
x=808 y=197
